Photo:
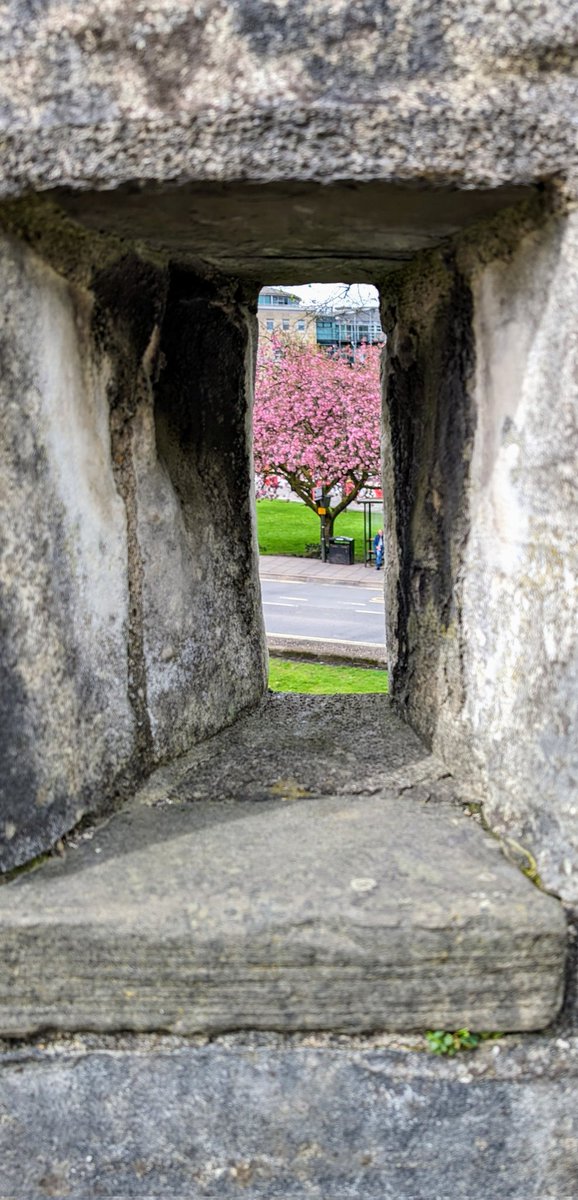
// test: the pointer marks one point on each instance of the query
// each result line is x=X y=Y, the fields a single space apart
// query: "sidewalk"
x=312 y=570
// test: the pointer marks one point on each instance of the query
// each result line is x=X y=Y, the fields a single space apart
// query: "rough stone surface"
x=260 y=907
x=471 y=95
x=429 y=422
x=482 y=573
x=130 y=592
x=374 y=132
x=310 y=745
x=67 y=727
x=273 y=1117
x=520 y=569
x=290 y=231
x=203 y=635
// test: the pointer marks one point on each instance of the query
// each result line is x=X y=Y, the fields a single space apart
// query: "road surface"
x=339 y=612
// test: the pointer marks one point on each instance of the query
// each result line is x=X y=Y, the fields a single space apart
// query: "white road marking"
x=367 y=612
x=279 y=579
x=279 y=604
x=302 y=637
x=299 y=599
x=318 y=580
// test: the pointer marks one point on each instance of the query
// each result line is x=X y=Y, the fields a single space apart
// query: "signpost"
x=321 y=501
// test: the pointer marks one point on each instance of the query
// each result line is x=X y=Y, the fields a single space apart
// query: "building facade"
x=349 y=325
x=280 y=312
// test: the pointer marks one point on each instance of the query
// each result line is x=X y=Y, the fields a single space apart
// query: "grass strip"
x=290 y=676
x=285 y=527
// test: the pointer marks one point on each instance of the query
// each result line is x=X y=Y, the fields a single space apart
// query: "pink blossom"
x=317 y=419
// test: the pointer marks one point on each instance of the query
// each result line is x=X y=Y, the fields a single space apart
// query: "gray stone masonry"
x=271 y=880
x=288 y=1118
x=312 y=865
x=481 y=508
x=129 y=593
x=436 y=92
x=67 y=727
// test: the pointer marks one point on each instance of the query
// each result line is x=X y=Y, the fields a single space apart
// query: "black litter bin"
x=341 y=550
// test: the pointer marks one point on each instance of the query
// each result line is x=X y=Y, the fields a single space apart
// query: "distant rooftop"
x=277 y=291
x=279 y=297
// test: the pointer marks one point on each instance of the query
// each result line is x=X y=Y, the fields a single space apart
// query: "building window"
x=270 y=325
x=286 y=325
x=301 y=326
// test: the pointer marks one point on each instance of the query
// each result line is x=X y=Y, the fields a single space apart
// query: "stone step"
x=271 y=880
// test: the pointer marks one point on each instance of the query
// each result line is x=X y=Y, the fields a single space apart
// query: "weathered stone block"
x=392 y=910
x=429 y=419
x=271 y=1117
x=67 y=727
x=130 y=591
x=251 y=89
x=284 y=230
x=482 y=594
x=520 y=565
x=203 y=640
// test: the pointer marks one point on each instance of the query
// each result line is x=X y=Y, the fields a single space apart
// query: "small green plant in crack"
x=518 y=855
x=442 y=1041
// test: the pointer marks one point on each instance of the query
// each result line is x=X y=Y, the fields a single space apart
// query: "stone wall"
x=185 y=450
x=279 y=141
x=482 y=411
x=429 y=421
x=130 y=598
x=520 y=596
x=68 y=728
x=267 y=1116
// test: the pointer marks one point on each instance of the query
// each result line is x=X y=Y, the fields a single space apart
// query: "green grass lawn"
x=286 y=676
x=285 y=527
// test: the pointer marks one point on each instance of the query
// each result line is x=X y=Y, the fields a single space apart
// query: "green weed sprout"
x=441 y=1041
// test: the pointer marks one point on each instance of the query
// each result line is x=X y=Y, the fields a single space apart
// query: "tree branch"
x=300 y=490
x=351 y=496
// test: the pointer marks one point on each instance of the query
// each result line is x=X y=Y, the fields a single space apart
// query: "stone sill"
x=308 y=869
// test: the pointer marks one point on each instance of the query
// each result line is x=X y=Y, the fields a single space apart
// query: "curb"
x=294 y=578
x=359 y=654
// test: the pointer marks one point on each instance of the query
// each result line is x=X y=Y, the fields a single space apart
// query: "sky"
x=353 y=295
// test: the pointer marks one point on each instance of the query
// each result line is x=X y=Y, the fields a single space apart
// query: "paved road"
x=312 y=610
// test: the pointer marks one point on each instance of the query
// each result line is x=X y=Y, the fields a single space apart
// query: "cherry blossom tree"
x=316 y=423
